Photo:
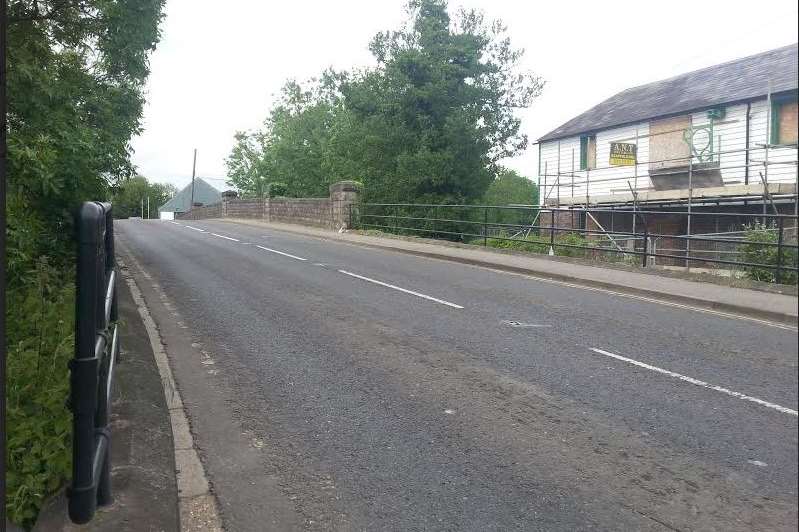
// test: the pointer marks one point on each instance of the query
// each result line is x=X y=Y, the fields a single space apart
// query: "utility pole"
x=148 y=207
x=141 y=207
x=193 y=168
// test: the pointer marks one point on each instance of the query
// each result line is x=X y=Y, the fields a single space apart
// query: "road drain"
x=522 y=325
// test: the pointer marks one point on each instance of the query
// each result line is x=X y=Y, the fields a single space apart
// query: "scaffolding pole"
x=546 y=194
x=587 y=182
x=607 y=234
x=572 y=191
x=690 y=197
x=764 y=178
x=635 y=178
x=572 y=176
x=557 y=181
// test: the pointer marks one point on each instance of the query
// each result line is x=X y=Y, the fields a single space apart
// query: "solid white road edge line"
x=697 y=382
x=405 y=290
x=644 y=298
x=226 y=237
x=280 y=253
x=196 y=228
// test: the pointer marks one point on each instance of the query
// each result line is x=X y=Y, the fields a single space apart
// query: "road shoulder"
x=216 y=492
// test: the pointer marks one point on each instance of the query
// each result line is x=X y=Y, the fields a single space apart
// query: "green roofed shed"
x=181 y=202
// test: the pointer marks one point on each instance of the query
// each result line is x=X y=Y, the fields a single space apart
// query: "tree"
x=75 y=78
x=439 y=109
x=509 y=188
x=246 y=164
x=429 y=124
x=129 y=196
x=293 y=145
x=76 y=74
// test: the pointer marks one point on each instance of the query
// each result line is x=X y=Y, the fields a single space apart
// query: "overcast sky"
x=219 y=65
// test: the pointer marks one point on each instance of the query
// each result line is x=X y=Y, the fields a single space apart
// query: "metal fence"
x=763 y=245
x=96 y=349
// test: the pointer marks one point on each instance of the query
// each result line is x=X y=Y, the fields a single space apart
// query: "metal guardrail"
x=92 y=368
x=479 y=224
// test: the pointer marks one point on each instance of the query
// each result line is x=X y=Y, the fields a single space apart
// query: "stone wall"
x=243 y=207
x=303 y=211
x=214 y=210
x=332 y=212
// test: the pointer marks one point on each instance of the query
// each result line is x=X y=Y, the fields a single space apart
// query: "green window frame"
x=584 y=143
x=776 y=104
x=583 y=152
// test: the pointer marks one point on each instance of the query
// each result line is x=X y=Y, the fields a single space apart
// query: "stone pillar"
x=342 y=195
x=227 y=196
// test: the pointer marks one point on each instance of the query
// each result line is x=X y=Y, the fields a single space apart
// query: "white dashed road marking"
x=226 y=237
x=697 y=382
x=405 y=290
x=196 y=228
x=280 y=253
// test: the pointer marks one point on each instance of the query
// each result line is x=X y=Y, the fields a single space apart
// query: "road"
x=346 y=388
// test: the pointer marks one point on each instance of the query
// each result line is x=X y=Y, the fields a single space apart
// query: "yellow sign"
x=622 y=154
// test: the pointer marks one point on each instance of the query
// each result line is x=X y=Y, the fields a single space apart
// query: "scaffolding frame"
x=761 y=167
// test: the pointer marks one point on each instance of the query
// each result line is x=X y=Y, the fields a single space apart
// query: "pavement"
x=332 y=386
x=143 y=476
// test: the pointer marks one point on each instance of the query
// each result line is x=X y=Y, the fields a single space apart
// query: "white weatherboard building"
x=724 y=135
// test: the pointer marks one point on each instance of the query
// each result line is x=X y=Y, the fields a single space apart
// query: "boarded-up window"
x=786 y=117
x=667 y=147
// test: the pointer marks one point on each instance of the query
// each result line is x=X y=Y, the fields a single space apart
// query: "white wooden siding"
x=782 y=167
x=729 y=143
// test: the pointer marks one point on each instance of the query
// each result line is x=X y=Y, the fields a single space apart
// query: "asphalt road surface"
x=338 y=387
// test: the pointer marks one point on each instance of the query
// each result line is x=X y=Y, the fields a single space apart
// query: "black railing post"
x=85 y=366
x=780 y=227
x=485 y=226
x=646 y=246
x=96 y=347
x=552 y=231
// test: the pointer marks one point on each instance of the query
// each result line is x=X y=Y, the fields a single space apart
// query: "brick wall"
x=563 y=220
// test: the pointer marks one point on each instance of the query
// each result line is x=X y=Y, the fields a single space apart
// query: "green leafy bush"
x=539 y=244
x=277 y=189
x=40 y=343
x=755 y=252
x=571 y=239
x=532 y=244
